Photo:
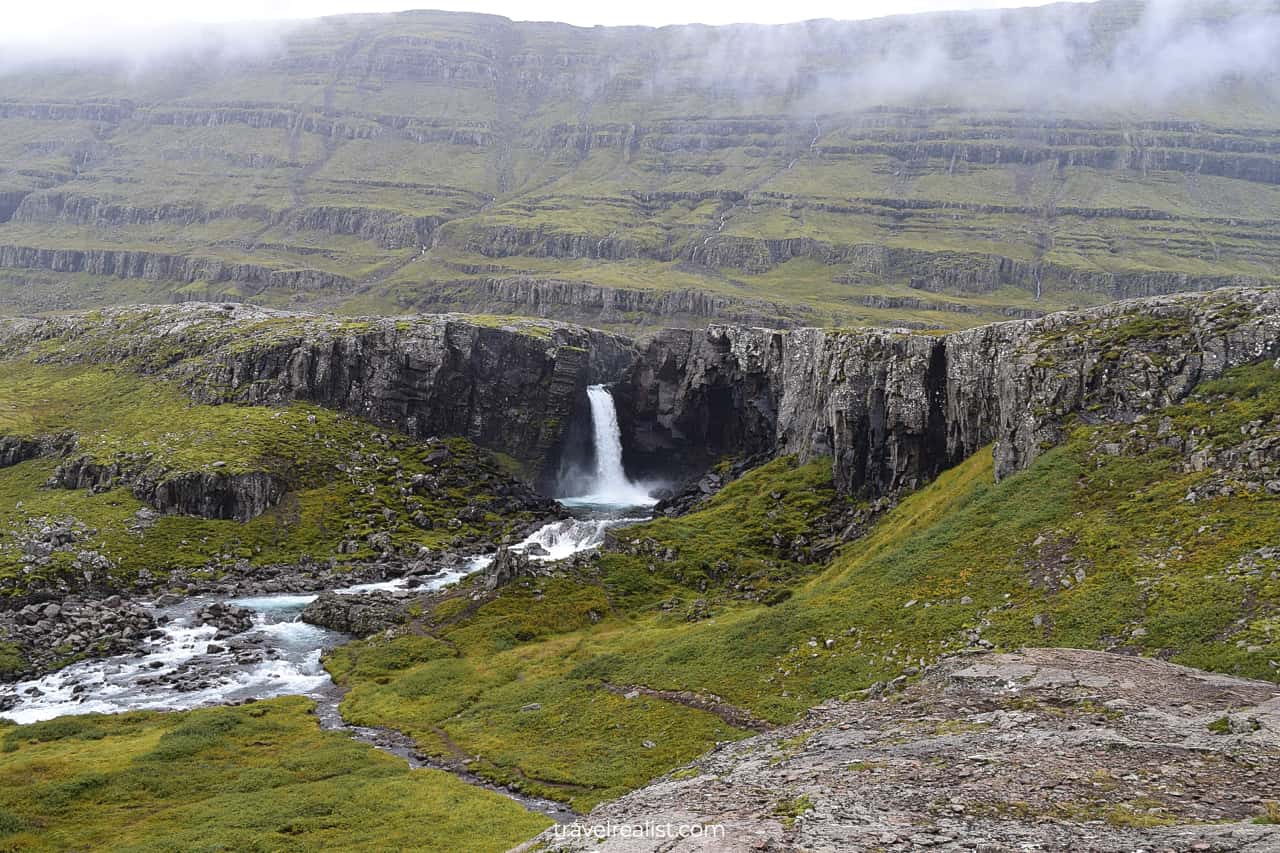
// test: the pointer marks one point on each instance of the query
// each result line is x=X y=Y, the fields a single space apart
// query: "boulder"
x=506 y=567
x=359 y=615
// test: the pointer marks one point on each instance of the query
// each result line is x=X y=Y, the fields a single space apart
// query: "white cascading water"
x=611 y=487
x=142 y=680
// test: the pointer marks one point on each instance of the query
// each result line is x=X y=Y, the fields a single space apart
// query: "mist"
x=1079 y=56
x=1101 y=55
x=137 y=49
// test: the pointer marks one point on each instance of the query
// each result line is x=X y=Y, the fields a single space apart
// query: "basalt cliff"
x=892 y=408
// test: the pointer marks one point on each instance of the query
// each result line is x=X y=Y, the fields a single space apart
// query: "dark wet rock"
x=507 y=566
x=359 y=615
x=229 y=619
x=16 y=448
x=49 y=634
x=241 y=496
x=894 y=408
x=511 y=389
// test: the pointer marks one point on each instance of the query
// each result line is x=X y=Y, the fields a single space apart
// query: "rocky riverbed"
x=170 y=651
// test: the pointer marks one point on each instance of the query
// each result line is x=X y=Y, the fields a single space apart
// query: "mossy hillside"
x=499 y=679
x=808 y=291
x=347 y=479
x=1084 y=549
x=255 y=777
x=632 y=143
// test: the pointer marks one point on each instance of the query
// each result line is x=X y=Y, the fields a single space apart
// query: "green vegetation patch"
x=255 y=777
x=354 y=491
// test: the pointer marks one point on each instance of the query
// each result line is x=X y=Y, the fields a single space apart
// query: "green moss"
x=792 y=809
x=256 y=777
x=11 y=659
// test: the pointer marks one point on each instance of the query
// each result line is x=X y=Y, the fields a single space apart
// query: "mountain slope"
x=933 y=170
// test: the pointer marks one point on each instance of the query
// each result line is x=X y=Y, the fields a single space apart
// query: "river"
x=184 y=666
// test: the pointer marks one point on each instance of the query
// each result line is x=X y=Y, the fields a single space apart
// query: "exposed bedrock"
x=388 y=228
x=239 y=496
x=893 y=409
x=511 y=388
x=158 y=266
x=936 y=271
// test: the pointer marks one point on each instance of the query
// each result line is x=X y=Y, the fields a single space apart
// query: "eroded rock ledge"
x=891 y=407
x=1045 y=749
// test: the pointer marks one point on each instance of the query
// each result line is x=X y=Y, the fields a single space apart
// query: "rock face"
x=158 y=266
x=510 y=388
x=239 y=496
x=359 y=615
x=507 y=566
x=1045 y=749
x=17 y=448
x=589 y=303
x=894 y=409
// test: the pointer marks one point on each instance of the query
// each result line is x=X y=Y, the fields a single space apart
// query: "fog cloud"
x=136 y=48
x=1108 y=54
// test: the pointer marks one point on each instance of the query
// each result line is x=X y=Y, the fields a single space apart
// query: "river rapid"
x=186 y=665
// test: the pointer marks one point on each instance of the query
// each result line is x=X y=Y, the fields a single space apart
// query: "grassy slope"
x=1157 y=575
x=344 y=475
x=256 y=777
x=460 y=686
x=517 y=682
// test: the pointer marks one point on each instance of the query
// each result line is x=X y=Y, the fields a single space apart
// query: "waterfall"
x=611 y=486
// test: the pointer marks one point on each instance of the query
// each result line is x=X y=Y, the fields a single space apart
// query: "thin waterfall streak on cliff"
x=611 y=486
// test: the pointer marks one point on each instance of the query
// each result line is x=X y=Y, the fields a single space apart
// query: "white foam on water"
x=562 y=539
x=285 y=602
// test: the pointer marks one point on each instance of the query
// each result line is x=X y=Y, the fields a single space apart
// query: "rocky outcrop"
x=894 y=409
x=512 y=388
x=228 y=619
x=1044 y=749
x=20 y=448
x=358 y=615
x=212 y=495
x=390 y=229
x=208 y=494
x=589 y=303
x=159 y=266
x=507 y=567
x=15 y=449
x=10 y=201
